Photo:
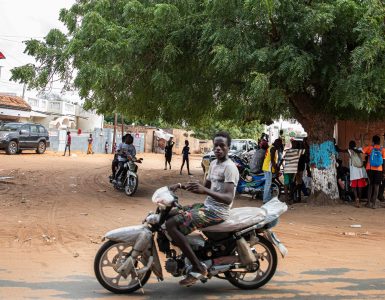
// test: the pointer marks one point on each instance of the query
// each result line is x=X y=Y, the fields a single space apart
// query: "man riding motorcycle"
x=126 y=152
x=219 y=187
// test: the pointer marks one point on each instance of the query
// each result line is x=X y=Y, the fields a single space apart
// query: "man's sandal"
x=193 y=277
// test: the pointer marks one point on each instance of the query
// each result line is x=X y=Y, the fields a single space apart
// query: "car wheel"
x=12 y=148
x=40 y=148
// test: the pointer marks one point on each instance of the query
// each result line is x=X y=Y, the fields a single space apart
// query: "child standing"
x=106 y=148
x=68 y=144
x=185 y=153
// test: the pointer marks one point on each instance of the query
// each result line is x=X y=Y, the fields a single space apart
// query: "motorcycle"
x=254 y=184
x=241 y=250
x=131 y=181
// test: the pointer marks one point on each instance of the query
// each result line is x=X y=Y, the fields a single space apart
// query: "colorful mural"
x=321 y=155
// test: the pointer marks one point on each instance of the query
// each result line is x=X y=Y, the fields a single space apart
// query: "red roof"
x=14 y=102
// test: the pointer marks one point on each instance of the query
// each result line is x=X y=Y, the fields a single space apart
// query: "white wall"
x=88 y=120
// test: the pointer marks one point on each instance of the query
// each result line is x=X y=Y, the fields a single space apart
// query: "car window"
x=252 y=145
x=9 y=127
x=238 y=145
x=34 y=129
x=41 y=129
x=25 y=127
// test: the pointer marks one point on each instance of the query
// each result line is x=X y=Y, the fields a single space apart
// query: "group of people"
x=367 y=172
x=185 y=155
x=270 y=159
x=295 y=161
x=69 y=142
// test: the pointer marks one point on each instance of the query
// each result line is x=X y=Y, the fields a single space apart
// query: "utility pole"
x=114 y=136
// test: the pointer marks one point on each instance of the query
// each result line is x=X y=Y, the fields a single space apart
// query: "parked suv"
x=238 y=146
x=15 y=137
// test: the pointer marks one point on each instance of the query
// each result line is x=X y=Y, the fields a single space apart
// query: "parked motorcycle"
x=131 y=181
x=254 y=184
x=241 y=250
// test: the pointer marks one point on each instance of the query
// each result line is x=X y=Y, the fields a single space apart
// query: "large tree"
x=193 y=60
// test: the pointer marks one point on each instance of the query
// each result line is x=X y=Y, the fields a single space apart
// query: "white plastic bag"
x=163 y=197
x=274 y=208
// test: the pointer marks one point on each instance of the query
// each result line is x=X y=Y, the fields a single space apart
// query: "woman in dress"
x=357 y=171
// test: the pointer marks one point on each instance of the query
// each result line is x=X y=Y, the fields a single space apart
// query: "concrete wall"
x=360 y=132
x=80 y=141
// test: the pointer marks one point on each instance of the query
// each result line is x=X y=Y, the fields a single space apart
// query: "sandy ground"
x=55 y=209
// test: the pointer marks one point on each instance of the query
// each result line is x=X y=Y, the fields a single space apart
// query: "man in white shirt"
x=219 y=186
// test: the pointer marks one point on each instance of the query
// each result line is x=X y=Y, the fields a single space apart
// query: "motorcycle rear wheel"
x=266 y=258
x=107 y=261
x=131 y=185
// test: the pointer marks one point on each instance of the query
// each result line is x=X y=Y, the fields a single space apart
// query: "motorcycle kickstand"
x=137 y=277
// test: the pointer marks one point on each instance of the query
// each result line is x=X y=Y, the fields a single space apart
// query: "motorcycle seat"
x=244 y=217
x=239 y=218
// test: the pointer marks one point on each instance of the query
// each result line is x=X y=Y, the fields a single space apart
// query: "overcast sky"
x=21 y=20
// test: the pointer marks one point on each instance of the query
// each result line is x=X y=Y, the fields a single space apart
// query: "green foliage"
x=195 y=61
x=237 y=130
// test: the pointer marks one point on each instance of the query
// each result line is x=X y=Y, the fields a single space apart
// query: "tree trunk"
x=324 y=174
x=320 y=128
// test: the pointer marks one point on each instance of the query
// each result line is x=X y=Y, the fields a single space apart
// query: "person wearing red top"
x=375 y=173
x=68 y=144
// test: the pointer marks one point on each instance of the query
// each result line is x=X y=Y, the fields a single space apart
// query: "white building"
x=52 y=113
x=290 y=127
x=61 y=114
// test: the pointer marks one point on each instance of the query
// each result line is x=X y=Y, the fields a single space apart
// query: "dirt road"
x=55 y=209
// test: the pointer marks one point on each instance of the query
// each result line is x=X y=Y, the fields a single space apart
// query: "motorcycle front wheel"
x=266 y=265
x=107 y=261
x=131 y=185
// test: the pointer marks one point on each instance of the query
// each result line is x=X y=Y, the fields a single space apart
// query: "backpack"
x=375 y=158
x=356 y=159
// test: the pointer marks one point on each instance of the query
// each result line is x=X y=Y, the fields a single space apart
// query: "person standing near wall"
x=68 y=144
x=374 y=168
x=106 y=148
x=357 y=171
x=90 y=140
x=168 y=153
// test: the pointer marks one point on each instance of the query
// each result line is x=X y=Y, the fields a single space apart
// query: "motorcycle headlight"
x=153 y=219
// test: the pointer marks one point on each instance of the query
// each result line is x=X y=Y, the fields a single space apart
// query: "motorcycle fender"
x=156 y=266
x=272 y=237
x=127 y=235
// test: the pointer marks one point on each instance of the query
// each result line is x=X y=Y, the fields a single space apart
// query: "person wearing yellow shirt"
x=270 y=167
